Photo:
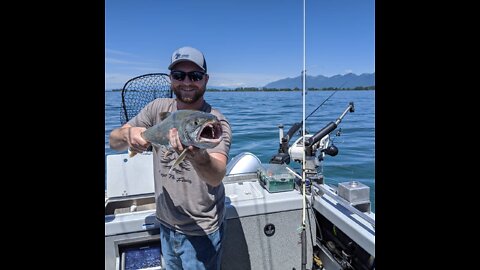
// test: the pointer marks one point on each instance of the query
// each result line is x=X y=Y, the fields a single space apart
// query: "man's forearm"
x=210 y=167
x=118 y=138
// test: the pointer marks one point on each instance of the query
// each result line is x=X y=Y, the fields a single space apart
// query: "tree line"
x=253 y=89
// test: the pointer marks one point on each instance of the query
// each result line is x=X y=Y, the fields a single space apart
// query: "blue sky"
x=247 y=43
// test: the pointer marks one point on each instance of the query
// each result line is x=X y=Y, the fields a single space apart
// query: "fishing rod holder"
x=318 y=141
x=329 y=127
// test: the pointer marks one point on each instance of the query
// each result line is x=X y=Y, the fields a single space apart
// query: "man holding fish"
x=191 y=141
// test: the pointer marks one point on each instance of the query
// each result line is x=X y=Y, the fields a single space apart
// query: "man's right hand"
x=135 y=141
x=128 y=137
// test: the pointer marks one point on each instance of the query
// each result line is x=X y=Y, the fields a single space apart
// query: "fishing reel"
x=314 y=153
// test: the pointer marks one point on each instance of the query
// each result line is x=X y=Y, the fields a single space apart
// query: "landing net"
x=139 y=91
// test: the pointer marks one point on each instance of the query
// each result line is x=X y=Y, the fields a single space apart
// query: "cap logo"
x=181 y=56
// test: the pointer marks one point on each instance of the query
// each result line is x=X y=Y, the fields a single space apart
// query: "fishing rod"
x=303 y=236
x=284 y=140
x=323 y=102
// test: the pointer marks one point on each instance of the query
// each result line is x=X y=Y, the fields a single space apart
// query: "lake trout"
x=197 y=128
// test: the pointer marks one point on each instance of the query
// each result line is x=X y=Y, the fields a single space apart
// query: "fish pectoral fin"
x=180 y=158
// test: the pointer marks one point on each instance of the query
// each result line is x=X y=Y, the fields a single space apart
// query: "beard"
x=189 y=96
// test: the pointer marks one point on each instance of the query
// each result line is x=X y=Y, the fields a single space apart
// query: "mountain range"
x=349 y=80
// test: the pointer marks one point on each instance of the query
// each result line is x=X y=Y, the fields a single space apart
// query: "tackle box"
x=275 y=178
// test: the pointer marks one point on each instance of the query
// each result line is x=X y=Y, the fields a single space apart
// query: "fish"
x=195 y=128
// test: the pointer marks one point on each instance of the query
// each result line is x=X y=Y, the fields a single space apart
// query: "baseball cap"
x=188 y=54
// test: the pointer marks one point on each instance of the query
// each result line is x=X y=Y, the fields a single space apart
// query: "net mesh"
x=139 y=91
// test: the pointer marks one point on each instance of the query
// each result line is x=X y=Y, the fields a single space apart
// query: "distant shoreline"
x=255 y=89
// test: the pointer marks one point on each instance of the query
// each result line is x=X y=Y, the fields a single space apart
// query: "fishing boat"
x=278 y=217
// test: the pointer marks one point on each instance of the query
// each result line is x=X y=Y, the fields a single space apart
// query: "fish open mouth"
x=211 y=132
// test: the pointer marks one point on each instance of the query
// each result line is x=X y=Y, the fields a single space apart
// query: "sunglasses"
x=192 y=75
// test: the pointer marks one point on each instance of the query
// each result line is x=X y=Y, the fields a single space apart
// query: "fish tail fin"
x=180 y=158
x=131 y=153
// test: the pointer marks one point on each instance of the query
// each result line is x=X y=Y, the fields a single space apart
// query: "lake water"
x=255 y=116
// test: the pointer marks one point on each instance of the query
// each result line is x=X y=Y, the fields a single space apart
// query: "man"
x=190 y=202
